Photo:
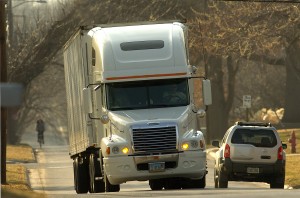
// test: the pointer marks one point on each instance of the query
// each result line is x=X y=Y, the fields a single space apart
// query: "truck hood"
x=142 y=115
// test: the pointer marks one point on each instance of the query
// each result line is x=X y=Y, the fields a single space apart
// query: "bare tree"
x=222 y=37
x=242 y=31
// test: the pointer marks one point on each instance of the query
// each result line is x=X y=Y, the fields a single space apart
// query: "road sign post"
x=247 y=105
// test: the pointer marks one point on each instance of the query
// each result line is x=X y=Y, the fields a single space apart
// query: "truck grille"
x=161 y=139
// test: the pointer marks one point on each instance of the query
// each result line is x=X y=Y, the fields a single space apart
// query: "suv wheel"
x=277 y=181
x=222 y=180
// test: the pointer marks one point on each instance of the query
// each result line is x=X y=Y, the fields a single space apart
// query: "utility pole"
x=3 y=62
x=10 y=23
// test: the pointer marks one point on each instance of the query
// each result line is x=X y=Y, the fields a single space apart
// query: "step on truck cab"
x=131 y=112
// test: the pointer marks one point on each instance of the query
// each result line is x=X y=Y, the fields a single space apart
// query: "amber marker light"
x=108 y=150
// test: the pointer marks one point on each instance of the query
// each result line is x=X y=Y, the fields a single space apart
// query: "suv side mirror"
x=284 y=146
x=206 y=88
x=216 y=143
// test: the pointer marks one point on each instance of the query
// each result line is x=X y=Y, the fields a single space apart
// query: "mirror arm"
x=97 y=87
x=92 y=117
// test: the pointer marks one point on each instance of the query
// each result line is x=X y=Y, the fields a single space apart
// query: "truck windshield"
x=147 y=94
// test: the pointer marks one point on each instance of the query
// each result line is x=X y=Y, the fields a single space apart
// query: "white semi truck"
x=131 y=110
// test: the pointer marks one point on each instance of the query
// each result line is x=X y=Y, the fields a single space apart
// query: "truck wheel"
x=277 y=181
x=94 y=171
x=110 y=187
x=156 y=184
x=216 y=179
x=222 y=180
x=81 y=178
x=195 y=183
x=74 y=174
x=201 y=182
x=172 y=183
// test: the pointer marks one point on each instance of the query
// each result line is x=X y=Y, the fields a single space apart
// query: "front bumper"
x=189 y=164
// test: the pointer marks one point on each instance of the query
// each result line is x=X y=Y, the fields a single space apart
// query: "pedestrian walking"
x=40 y=128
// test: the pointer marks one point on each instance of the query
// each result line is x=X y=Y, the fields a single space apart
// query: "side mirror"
x=284 y=146
x=206 y=88
x=216 y=143
x=87 y=100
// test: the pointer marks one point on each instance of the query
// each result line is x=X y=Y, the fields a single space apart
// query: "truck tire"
x=216 y=179
x=194 y=183
x=277 y=181
x=81 y=176
x=156 y=184
x=172 y=183
x=96 y=186
x=110 y=187
x=201 y=183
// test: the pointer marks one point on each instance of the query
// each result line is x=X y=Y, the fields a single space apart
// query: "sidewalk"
x=52 y=166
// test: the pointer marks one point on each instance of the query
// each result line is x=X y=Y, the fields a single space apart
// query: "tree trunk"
x=292 y=96
x=216 y=117
x=222 y=95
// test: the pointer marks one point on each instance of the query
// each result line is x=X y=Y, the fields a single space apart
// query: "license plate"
x=156 y=167
x=252 y=170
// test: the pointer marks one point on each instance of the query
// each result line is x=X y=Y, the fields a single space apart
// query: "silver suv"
x=250 y=152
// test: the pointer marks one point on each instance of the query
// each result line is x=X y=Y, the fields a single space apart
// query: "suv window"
x=256 y=137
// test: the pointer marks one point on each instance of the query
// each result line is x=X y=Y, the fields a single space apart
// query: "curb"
x=28 y=171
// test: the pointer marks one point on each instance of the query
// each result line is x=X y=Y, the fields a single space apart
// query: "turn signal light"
x=202 y=144
x=108 y=150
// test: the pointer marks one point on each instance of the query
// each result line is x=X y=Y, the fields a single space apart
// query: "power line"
x=264 y=1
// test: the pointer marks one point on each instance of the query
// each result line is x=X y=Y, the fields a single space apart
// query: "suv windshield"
x=147 y=94
x=256 y=137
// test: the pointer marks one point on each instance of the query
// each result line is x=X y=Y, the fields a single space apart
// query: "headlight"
x=194 y=144
x=115 y=150
x=185 y=146
x=125 y=150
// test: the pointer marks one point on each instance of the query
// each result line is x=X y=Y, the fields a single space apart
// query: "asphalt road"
x=53 y=175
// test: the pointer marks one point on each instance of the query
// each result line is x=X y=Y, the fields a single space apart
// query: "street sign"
x=11 y=94
x=246 y=101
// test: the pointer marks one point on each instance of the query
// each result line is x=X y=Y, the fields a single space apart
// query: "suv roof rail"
x=253 y=124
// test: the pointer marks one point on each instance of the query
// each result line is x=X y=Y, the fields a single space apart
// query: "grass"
x=292 y=176
x=16 y=178
x=285 y=134
x=20 y=153
x=292 y=170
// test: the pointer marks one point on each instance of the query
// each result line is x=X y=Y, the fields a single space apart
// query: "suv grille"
x=154 y=139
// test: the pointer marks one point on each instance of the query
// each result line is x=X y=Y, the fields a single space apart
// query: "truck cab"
x=140 y=118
